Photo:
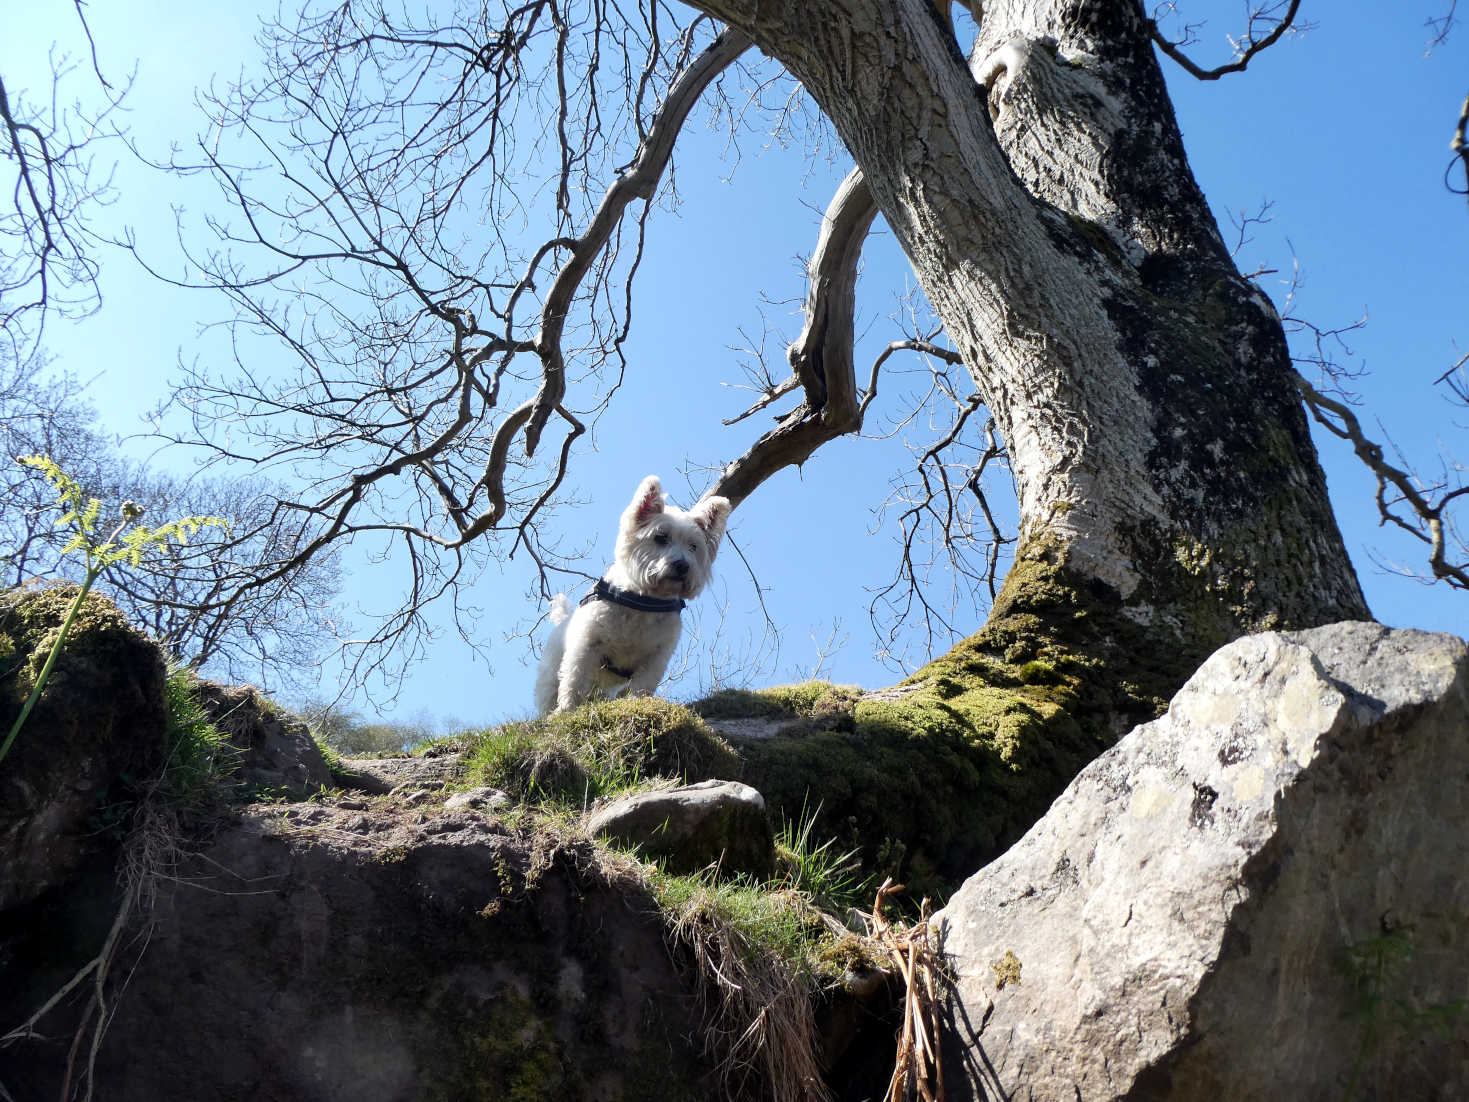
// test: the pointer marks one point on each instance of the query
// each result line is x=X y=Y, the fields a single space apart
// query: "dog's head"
x=665 y=551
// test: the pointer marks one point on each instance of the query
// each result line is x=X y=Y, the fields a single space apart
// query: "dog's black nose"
x=680 y=570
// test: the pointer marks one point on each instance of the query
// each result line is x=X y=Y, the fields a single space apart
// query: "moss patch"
x=809 y=700
x=95 y=741
x=30 y=620
x=592 y=751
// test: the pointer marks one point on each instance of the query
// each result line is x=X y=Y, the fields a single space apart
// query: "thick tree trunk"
x=1141 y=384
x=1170 y=497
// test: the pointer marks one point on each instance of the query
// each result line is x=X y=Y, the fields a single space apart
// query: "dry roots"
x=757 y=1016
x=918 y=1070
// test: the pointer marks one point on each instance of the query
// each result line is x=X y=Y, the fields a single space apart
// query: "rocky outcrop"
x=401 y=774
x=277 y=755
x=692 y=827
x=481 y=798
x=371 y=951
x=1262 y=895
x=96 y=732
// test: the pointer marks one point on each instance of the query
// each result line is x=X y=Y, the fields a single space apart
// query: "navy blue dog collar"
x=606 y=591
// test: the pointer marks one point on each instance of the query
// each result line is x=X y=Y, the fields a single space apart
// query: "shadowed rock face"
x=1262 y=895
x=378 y=953
x=277 y=753
x=96 y=731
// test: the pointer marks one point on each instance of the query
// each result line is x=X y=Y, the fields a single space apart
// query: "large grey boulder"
x=1262 y=895
x=691 y=827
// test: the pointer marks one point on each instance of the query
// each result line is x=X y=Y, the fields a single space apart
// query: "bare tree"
x=277 y=635
x=41 y=413
x=348 y=733
x=274 y=637
x=445 y=357
x=53 y=190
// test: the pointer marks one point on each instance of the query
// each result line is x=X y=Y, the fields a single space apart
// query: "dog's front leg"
x=580 y=663
x=578 y=680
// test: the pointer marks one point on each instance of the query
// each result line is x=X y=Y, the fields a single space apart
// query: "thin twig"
x=1428 y=518
x=1243 y=56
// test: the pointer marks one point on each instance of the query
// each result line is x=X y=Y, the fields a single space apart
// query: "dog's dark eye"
x=660 y=538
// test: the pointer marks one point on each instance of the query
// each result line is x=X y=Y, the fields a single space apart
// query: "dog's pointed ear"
x=710 y=515
x=646 y=504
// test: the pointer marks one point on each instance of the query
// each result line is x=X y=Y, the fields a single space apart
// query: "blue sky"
x=1345 y=130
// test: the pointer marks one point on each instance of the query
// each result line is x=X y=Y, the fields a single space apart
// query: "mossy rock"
x=275 y=754
x=597 y=749
x=96 y=734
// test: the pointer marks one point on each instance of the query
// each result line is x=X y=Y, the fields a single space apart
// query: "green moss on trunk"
x=938 y=775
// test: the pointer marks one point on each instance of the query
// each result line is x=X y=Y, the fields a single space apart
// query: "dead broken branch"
x=918 y=1069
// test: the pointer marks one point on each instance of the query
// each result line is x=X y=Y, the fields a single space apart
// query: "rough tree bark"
x=1141 y=383
x=1170 y=496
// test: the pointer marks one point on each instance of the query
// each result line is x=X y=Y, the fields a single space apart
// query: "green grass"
x=783 y=916
x=573 y=758
x=198 y=754
x=830 y=877
x=765 y=921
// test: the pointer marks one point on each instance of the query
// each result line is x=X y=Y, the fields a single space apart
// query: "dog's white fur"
x=662 y=551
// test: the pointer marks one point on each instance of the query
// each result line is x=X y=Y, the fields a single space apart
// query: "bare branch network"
x=384 y=183
x=53 y=189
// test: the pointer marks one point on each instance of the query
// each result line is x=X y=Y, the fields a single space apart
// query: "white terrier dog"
x=619 y=641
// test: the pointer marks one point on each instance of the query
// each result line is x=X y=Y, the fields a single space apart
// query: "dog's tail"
x=561 y=609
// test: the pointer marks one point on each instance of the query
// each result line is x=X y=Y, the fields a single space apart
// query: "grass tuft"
x=752 y=950
x=573 y=758
x=198 y=753
x=832 y=879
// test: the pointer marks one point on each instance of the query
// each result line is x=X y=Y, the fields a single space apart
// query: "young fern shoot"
x=126 y=545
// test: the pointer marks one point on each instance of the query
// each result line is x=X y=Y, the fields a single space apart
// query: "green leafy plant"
x=126 y=545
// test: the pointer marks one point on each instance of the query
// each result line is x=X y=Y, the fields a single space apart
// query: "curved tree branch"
x=639 y=181
x=1428 y=522
x=821 y=357
x=1245 y=48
